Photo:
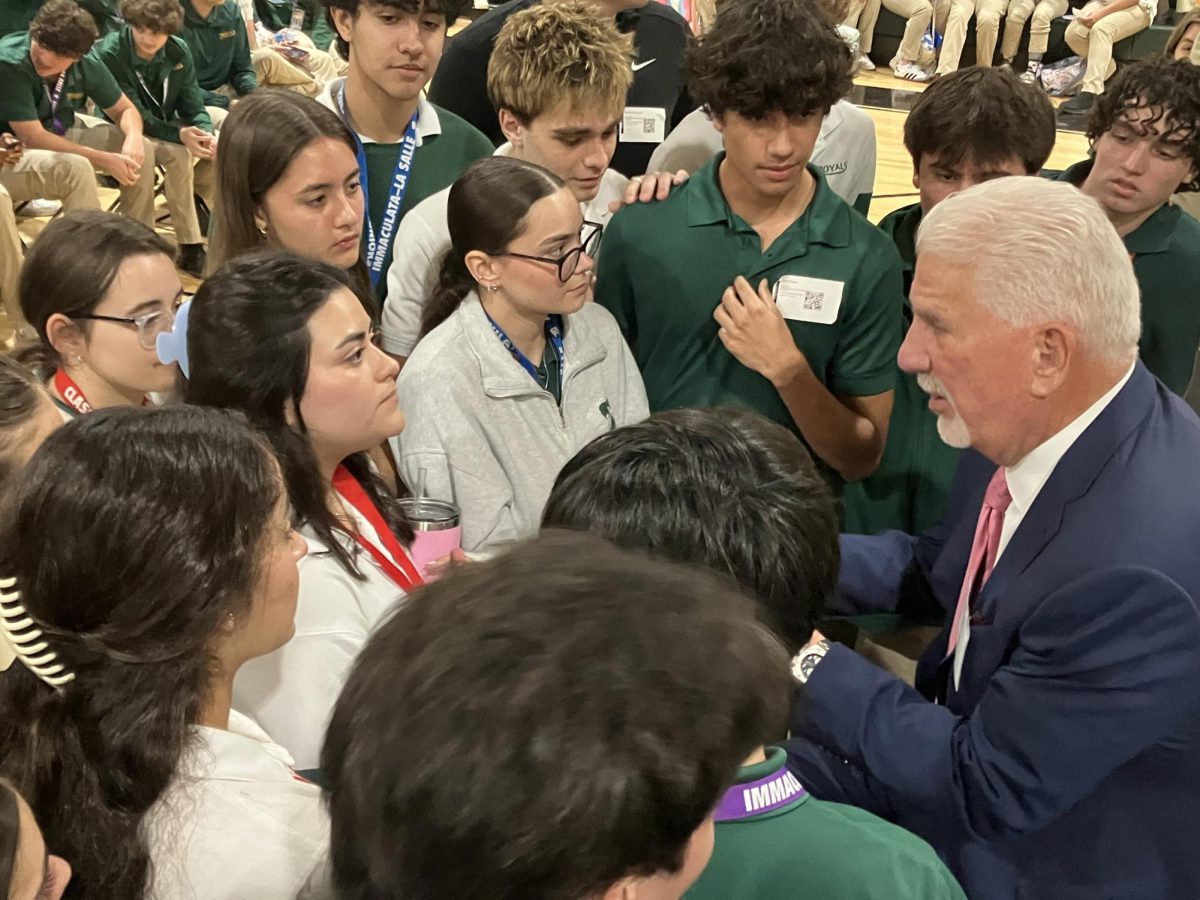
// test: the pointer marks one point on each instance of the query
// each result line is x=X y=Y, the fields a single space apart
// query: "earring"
x=74 y=361
x=493 y=287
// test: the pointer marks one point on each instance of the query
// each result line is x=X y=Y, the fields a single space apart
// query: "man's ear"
x=343 y=21
x=513 y=128
x=1053 y=352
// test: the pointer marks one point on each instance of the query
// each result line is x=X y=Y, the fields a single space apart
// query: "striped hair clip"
x=21 y=639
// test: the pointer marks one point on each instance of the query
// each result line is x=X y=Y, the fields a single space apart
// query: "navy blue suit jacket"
x=1066 y=766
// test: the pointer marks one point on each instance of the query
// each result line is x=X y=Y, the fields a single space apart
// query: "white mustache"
x=931 y=385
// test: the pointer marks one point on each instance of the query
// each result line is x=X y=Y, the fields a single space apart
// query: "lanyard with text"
x=768 y=794
x=57 y=127
x=378 y=245
x=553 y=334
x=399 y=567
x=160 y=103
x=70 y=393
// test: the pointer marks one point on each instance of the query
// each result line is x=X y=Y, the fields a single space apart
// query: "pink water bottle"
x=436 y=530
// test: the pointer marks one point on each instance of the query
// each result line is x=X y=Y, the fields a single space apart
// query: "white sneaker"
x=914 y=72
x=864 y=64
x=1028 y=77
x=39 y=209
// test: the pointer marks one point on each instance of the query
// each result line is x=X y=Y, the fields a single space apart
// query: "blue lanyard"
x=553 y=333
x=378 y=246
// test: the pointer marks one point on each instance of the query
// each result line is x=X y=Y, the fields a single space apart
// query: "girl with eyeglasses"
x=99 y=288
x=516 y=370
x=147 y=555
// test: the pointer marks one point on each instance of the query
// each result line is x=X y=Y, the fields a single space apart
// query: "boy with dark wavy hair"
x=1145 y=134
x=754 y=285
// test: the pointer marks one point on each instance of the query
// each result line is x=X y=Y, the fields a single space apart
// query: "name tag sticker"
x=644 y=125
x=804 y=299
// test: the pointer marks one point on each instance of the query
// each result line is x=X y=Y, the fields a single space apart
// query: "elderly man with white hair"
x=1052 y=746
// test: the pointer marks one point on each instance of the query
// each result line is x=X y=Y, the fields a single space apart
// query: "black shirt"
x=660 y=36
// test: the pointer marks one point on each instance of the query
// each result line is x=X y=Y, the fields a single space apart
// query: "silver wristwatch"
x=806 y=660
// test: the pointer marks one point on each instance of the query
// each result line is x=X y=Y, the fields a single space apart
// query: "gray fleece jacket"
x=491 y=438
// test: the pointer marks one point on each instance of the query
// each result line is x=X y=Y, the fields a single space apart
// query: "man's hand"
x=135 y=149
x=755 y=332
x=121 y=167
x=644 y=188
x=1091 y=18
x=11 y=150
x=199 y=142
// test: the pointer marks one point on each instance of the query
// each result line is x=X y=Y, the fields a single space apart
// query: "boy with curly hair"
x=1145 y=135
x=755 y=285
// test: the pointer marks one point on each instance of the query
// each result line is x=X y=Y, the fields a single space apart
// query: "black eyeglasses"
x=149 y=325
x=569 y=261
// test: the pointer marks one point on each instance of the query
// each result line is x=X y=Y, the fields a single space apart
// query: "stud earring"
x=493 y=287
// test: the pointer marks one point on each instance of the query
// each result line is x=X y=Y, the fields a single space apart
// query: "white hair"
x=1043 y=251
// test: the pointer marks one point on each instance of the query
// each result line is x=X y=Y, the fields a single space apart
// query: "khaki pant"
x=1044 y=12
x=137 y=199
x=184 y=177
x=987 y=26
x=1095 y=44
x=862 y=16
x=66 y=177
x=273 y=70
x=919 y=14
x=11 y=256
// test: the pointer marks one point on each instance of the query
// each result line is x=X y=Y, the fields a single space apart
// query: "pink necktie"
x=983 y=549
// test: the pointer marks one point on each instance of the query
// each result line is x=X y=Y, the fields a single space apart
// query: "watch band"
x=807 y=659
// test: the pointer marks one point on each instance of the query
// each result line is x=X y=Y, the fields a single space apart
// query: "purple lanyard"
x=775 y=791
x=57 y=126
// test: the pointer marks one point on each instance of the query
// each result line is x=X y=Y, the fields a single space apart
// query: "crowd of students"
x=688 y=404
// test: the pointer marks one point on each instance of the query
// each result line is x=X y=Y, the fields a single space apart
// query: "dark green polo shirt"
x=436 y=164
x=910 y=488
x=25 y=95
x=811 y=848
x=664 y=266
x=164 y=89
x=1166 y=259
x=15 y=15
x=220 y=50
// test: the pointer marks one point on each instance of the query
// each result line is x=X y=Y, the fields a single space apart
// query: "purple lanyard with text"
x=775 y=791
x=57 y=127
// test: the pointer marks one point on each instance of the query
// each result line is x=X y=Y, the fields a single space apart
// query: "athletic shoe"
x=864 y=63
x=39 y=209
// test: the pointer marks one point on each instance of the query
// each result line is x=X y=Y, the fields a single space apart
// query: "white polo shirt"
x=423 y=239
x=238 y=823
x=844 y=152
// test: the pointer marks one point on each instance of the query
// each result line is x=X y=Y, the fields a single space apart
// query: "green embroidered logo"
x=607 y=413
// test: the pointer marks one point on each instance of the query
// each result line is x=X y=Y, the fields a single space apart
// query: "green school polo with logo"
x=220 y=50
x=436 y=165
x=25 y=95
x=664 y=266
x=164 y=89
x=1166 y=259
x=910 y=488
x=811 y=848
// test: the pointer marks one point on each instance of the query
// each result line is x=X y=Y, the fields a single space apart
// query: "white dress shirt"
x=1025 y=480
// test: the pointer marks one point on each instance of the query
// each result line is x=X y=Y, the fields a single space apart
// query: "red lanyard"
x=70 y=393
x=399 y=568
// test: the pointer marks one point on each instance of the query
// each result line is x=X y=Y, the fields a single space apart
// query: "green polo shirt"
x=220 y=50
x=910 y=488
x=811 y=848
x=15 y=15
x=164 y=89
x=437 y=163
x=665 y=265
x=1166 y=259
x=25 y=95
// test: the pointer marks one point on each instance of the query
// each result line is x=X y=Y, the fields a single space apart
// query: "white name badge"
x=644 y=125
x=804 y=299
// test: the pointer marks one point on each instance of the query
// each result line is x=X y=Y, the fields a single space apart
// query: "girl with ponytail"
x=516 y=369
x=147 y=554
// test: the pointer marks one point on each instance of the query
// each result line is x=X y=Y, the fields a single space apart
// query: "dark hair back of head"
x=261 y=136
x=986 y=114
x=72 y=265
x=486 y=211
x=133 y=534
x=159 y=16
x=65 y=28
x=248 y=349
x=724 y=488
x=10 y=836
x=768 y=56
x=20 y=397
x=1169 y=87
x=449 y=9
x=541 y=725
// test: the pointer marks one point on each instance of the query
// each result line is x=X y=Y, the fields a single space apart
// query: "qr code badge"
x=814 y=300
x=802 y=298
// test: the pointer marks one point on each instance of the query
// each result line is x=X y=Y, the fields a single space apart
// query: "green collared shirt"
x=15 y=15
x=811 y=848
x=164 y=89
x=220 y=50
x=665 y=265
x=1166 y=259
x=25 y=95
